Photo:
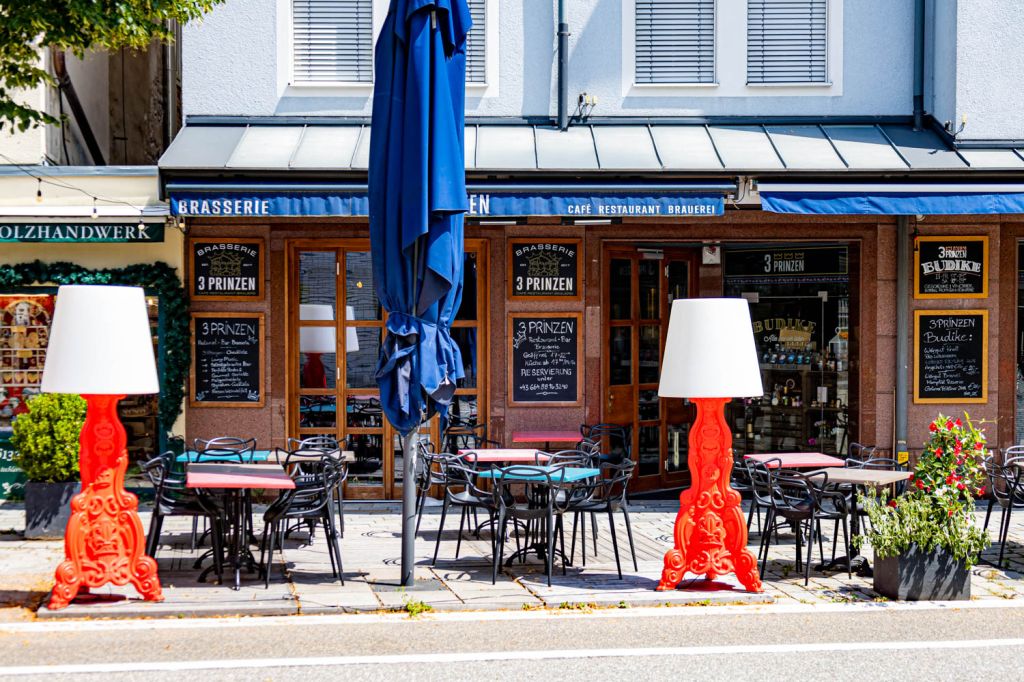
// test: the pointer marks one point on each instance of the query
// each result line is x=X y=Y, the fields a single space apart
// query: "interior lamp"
x=710 y=358
x=315 y=341
x=101 y=348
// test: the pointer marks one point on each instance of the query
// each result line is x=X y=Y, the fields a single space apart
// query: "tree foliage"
x=27 y=26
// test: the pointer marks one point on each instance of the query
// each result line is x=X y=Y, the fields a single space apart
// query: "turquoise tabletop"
x=193 y=456
x=559 y=474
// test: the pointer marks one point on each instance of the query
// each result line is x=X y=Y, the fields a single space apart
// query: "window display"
x=800 y=305
x=24 y=334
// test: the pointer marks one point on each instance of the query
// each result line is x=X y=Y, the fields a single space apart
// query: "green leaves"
x=46 y=437
x=937 y=510
x=28 y=27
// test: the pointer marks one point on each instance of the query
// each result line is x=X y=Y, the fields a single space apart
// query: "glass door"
x=639 y=289
x=337 y=325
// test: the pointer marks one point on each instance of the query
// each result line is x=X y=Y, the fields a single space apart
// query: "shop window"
x=25 y=320
x=1019 y=423
x=800 y=305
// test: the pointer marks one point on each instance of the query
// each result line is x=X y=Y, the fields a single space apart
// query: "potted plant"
x=926 y=541
x=46 y=441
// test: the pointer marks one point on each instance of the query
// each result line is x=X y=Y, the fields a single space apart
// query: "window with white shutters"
x=476 y=43
x=332 y=41
x=675 y=41
x=787 y=41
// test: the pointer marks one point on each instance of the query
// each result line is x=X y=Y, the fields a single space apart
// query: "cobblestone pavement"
x=301 y=580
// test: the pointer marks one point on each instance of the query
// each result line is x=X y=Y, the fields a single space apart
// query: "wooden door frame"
x=390 y=489
x=610 y=251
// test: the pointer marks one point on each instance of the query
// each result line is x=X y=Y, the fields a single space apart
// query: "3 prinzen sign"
x=226 y=269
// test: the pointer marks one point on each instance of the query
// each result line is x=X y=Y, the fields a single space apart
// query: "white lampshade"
x=100 y=343
x=322 y=339
x=710 y=350
x=317 y=339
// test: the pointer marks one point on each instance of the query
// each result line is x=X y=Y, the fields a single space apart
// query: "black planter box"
x=48 y=508
x=917 y=576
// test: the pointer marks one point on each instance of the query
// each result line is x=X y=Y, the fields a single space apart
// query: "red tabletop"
x=546 y=436
x=261 y=476
x=799 y=460
x=517 y=455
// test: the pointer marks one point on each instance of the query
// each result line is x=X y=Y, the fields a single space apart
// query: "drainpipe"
x=918 y=64
x=563 y=68
x=169 y=90
x=902 y=335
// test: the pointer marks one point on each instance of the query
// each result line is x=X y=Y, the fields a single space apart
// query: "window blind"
x=675 y=41
x=787 y=41
x=476 y=43
x=332 y=41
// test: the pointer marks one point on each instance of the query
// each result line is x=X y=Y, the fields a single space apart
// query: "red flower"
x=938 y=452
x=958 y=423
x=979 y=446
x=949 y=423
x=960 y=486
x=950 y=512
x=981 y=491
x=919 y=483
x=911 y=477
x=892 y=503
x=932 y=427
x=951 y=479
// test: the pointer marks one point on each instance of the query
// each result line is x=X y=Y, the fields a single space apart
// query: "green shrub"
x=937 y=509
x=46 y=437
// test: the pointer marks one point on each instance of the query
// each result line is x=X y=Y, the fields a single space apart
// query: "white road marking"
x=673 y=611
x=483 y=656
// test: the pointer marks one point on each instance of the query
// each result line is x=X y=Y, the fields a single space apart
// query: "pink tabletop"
x=546 y=436
x=799 y=460
x=504 y=455
x=260 y=476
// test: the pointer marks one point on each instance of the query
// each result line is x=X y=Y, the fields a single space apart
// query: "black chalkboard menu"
x=951 y=267
x=544 y=268
x=545 y=351
x=226 y=269
x=227 y=360
x=950 y=356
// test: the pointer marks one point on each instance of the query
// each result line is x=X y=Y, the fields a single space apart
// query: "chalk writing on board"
x=228 y=364
x=545 y=359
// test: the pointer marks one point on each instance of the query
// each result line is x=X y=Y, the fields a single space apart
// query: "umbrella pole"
x=409 y=508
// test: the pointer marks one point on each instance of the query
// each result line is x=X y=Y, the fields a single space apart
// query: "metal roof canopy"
x=626 y=148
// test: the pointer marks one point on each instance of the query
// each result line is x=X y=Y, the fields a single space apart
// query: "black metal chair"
x=429 y=473
x=461 y=491
x=174 y=498
x=607 y=495
x=861 y=452
x=618 y=437
x=739 y=481
x=310 y=500
x=465 y=434
x=535 y=508
x=298 y=453
x=224 y=446
x=1006 y=488
x=800 y=500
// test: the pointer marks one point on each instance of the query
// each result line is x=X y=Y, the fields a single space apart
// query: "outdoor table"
x=564 y=474
x=280 y=456
x=798 y=460
x=547 y=437
x=192 y=456
x=236 y=481
x=875 y=478
x=498 y=455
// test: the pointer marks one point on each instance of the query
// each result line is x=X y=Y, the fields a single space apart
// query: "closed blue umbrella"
x=417 y=188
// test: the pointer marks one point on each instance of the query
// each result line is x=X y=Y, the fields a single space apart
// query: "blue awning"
x=485 y=200
x=891 y=198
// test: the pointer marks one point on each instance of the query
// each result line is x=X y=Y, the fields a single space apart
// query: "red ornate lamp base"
x=104 y=542
x=710 y=531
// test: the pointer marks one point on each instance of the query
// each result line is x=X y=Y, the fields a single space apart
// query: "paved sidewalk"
x=301 y=581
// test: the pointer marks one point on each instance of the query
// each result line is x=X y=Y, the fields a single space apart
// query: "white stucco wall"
x=990 y=68
x=233 y=66
x=941 y=60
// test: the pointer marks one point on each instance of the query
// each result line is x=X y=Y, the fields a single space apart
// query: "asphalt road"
x=875 y=642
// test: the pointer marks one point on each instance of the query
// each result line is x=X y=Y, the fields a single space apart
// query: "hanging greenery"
x=158 y=279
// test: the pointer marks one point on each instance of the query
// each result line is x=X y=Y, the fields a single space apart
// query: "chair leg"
x=593 y=529
x=629 y=534
x=572 y=548
x=561 y=541
x=750 y=515
x=988 y=512
x=550 y=545
x=156 y=523
x=583 y=536
x=217 y=542
x=848 y=548
x=835 y=537
x=272 y=539
x=264 y=568
x=799 y=547
x=1004 y=532
x=811 y=525
x=821 y=547
x=614 y=543
x=419 y=511
x=195 y=531
x=766 y=540
x=462 y=522
x=499 y=548
x=440 y=528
